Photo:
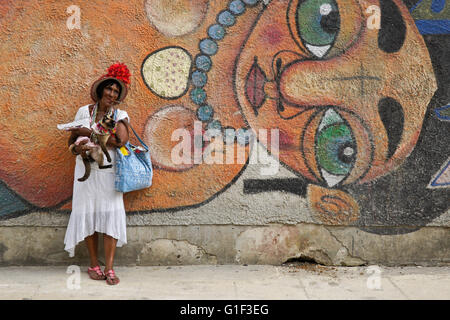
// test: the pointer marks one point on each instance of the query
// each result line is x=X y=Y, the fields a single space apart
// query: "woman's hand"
x=85 y=132
x=81 y=148
x=120 y=138
x=74 y=134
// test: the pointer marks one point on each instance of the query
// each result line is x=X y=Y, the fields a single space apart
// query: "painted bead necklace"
x=203 y=63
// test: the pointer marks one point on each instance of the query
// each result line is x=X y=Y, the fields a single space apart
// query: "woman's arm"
x=74 y=134
x=73 y=137
x=121 y=134
x=77 y=132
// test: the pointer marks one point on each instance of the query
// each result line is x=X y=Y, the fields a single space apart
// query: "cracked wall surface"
x=227 y=244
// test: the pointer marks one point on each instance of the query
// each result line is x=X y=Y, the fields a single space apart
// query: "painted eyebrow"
x=393 y=118
x=392 y=33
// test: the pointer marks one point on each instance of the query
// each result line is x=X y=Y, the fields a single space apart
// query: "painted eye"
x=335 y=148
x=318 y=23
x=325 y=28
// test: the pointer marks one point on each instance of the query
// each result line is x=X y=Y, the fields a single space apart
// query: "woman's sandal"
x=96 y=273
x=111 y=277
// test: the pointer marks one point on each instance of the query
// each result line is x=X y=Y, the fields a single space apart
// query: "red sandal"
x=111 y=277
x=96 y=273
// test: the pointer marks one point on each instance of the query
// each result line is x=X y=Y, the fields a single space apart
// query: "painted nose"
x=310 y=83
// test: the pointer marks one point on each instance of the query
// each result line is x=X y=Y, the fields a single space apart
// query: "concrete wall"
x=355 y=108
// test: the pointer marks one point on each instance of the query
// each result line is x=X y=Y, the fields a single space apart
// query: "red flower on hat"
x=119 y=71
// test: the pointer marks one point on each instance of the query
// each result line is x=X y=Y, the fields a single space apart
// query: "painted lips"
x=254 y=86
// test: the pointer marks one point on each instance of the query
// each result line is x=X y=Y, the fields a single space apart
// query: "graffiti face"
x=343 y=96
x=347 y=83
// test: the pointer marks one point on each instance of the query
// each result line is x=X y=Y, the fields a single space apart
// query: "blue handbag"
x=133 y=170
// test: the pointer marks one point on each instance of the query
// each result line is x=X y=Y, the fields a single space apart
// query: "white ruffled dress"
x=96 y=205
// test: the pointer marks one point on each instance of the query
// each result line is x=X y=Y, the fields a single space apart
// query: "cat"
x=102 y=130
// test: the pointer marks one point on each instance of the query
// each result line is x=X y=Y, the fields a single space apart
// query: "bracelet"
x=72 y=149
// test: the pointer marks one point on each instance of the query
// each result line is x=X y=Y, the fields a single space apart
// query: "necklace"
x=203 y=63
x=94 y=114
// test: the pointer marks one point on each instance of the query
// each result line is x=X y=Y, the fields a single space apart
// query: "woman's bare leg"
x=92 y=246
x=110 y=249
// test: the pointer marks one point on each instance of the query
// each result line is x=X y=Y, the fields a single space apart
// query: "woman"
x=96 y=206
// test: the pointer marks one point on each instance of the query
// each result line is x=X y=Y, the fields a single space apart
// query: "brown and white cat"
x=102 y=130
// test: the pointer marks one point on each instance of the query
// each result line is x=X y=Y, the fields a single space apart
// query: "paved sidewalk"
x=229 y=282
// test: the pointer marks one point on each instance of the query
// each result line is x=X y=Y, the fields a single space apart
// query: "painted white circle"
x=166 y=72
x=325 y=9
x=348 y=151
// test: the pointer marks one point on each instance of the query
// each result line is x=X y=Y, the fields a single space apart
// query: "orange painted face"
x=347 y=90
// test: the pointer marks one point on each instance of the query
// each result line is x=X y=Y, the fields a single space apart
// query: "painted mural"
x=357 y=92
